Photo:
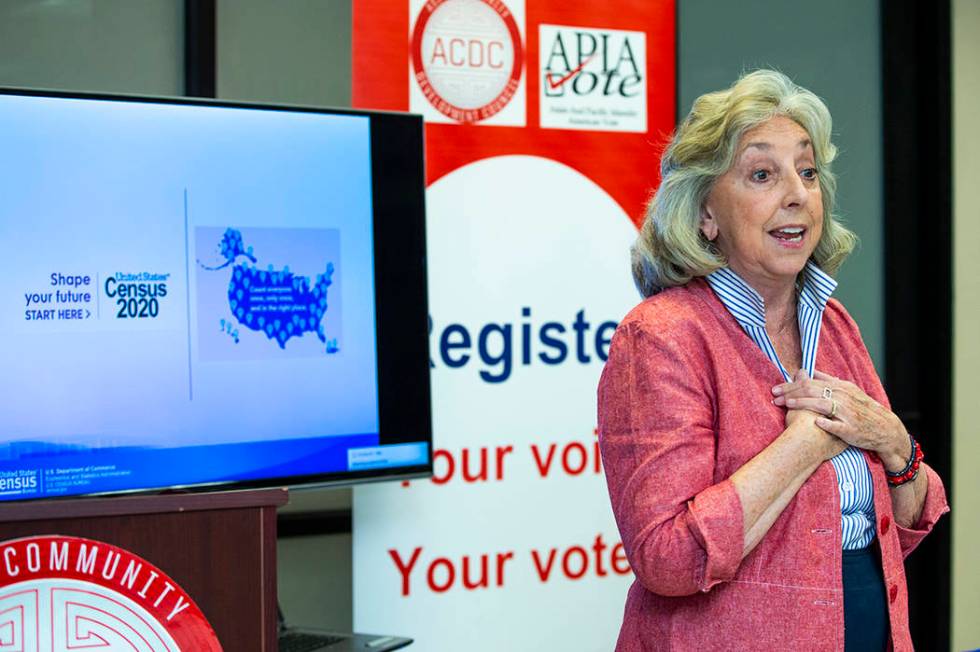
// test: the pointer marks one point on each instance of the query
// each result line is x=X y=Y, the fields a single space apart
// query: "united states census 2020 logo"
x=65 y=593
x=467 y=57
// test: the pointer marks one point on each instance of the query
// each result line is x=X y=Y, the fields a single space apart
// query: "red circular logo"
x=66 y=593
x=467 y=57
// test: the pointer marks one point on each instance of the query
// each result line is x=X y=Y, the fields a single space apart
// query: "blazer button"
x=885 y=523
x=893 y=593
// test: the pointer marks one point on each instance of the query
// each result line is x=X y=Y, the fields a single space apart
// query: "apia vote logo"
x=593 y=79
x=67 y=593
x=467 y=61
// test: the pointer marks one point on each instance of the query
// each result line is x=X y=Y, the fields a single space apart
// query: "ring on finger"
x=833 y=408
x=828 y=393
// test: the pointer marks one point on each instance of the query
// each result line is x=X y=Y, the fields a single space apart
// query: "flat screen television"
x=204 y=294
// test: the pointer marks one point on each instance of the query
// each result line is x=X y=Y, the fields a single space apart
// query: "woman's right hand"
x=823 y=444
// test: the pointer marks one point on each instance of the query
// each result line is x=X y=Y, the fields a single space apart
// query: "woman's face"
x=766 y=212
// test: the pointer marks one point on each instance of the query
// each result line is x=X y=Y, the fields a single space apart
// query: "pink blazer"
x=684 y=401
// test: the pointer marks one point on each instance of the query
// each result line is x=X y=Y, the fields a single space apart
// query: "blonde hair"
x=670 y=249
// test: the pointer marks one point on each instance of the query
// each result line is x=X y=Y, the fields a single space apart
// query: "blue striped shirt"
x=749 y=309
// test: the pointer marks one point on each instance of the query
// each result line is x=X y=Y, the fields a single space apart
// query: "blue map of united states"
x=272 y=301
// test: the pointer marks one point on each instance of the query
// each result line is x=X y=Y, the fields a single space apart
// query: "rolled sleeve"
x=682 y=529
x=715 y=530
x=934 y=507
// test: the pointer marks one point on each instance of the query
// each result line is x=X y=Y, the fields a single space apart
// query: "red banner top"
x=596 y=92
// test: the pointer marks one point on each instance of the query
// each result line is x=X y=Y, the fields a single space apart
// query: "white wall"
x=286 y=51
x=117 y=46
x=966 y=324
x=833 y=48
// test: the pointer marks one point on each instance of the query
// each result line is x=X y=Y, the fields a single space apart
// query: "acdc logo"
x=593 y=62
x=467 y=58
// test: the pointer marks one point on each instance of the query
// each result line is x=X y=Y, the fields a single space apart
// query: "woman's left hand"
x=847 y=412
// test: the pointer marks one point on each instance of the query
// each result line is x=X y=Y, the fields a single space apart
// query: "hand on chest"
x=746 y=419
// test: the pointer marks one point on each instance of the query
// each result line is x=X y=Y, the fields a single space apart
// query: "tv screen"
x=206 y=294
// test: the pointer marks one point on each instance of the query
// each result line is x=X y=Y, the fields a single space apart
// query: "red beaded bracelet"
x=911 y=470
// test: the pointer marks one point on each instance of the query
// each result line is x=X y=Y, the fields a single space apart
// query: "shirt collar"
x=817 y=287
x=748 y=306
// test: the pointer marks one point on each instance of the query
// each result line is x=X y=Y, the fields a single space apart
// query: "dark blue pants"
x=865 y=604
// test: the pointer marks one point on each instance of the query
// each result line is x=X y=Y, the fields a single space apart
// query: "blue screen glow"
x=188 y=295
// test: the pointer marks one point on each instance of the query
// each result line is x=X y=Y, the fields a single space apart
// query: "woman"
x=765 y=493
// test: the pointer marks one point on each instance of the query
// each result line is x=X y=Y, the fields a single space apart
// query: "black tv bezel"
x=400 y=289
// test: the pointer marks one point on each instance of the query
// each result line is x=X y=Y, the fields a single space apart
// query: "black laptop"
x=302 y=639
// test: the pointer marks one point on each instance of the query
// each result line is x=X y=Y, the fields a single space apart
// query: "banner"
x=545 y=120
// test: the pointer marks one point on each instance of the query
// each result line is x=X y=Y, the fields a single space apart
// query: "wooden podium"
x=220 y=548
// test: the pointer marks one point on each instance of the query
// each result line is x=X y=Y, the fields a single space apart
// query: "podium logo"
x=67 y=593
x=593 y=79
x=467 y=62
